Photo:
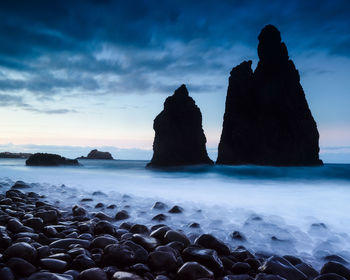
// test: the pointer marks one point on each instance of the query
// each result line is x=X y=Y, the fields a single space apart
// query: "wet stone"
x=49 y=216
x=237 y=236
x=122 y=215
x=194 y=225
x=210 y=242
x=149 y=243
x=172 y=235
x=193 y=271
x=93 y=274
x=79 y=211
x=99 y=205
x=330 y=276
x=206 y=257
x=160 y=232
x=138 y=228
x=238 y=277
x=21 y=266
x=123 y=275
x=159 y=218
x=338 y=268
x=162 y=261
x=22 y=250
x=42 y=275
x=66 y=242
x=103 y=241
x=35 y=223
x=176 y=210
x=82 y=262
x=119 y=254
x=103 y=216
x=159 y=205
x=87 y=199
x=6 y=274
x=241 y=268
x=14 y=225
x=280 y=266
x=104 y=227
x=54 y=265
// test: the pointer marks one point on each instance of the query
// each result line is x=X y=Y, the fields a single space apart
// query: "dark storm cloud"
x=145 y=38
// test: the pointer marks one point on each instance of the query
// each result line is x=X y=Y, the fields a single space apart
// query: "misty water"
x=303 y=211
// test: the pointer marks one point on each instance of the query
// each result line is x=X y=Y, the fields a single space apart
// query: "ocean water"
x=303 y=211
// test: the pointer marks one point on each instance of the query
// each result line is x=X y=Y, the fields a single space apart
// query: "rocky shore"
x=40 y=240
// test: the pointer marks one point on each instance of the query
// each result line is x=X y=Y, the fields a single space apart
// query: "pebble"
x=54 y=265
x=193 y=271
x=93 y=274
x=21 y=250
x=122 y=215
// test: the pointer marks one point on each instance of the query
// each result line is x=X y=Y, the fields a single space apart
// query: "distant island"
x=96 y=154
x=14 y=155
x=44 y=159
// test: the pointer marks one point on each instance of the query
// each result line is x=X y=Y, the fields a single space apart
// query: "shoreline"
x=79 y=243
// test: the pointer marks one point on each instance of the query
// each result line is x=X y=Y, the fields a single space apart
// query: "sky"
x=75 y=75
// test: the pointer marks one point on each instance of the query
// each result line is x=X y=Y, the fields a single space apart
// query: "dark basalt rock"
x=179 y=137
x=96 y=154
x=43 y=159
x=267 y=120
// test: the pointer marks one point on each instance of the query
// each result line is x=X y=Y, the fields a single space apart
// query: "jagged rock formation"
x=267 y=120
x=179 y=137
x=44 y=159
x=95 y=154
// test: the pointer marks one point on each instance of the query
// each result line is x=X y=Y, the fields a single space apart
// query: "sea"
x=300 y=211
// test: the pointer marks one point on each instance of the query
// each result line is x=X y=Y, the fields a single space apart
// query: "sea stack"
x=179 y=136
x=267 y=120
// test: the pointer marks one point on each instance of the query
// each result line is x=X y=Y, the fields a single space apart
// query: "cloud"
x=17 y=102
x=122 y=47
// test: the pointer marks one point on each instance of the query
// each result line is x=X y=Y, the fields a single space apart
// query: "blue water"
x=291 y=201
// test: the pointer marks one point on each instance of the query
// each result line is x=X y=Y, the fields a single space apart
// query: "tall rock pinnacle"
x=267 y=120
x=179 y=137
